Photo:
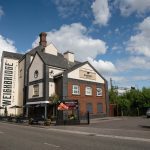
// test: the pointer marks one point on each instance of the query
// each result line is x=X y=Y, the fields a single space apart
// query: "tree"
x=124 y=105
x=113 y=95
x=146 y=96
x=54 y=99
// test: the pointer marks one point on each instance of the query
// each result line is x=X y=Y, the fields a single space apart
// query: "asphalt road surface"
x=18 y=137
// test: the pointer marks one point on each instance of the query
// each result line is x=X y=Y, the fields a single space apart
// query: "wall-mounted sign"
x=87 y=75
x=9 y=79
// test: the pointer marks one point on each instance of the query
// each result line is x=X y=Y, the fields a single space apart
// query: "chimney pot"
x=43 y=41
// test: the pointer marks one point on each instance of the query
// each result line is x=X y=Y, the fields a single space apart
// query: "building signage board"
x=87 y=75
x=9 y=87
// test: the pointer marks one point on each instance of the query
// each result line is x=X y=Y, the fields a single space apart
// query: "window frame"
x=101 y=94
x=75 y=91
x=87 y=93
x=35 y=90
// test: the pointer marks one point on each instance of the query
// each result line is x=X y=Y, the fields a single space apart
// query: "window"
x=88 y=90
x=99 y=107
x=89 y=107
x=36 y=90
x=76 y=89
x=98 y=91
x=36 y=73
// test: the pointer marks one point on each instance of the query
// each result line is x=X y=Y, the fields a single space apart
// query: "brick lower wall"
x=84 y=99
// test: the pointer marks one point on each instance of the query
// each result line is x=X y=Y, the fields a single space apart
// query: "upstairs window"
x=36 y=90
x=98 y=91
x=88 y=90
x=76 y=89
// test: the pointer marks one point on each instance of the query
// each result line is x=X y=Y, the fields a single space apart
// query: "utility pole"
x=111 y=86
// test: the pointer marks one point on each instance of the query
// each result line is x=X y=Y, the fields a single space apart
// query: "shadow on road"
x=145 y=126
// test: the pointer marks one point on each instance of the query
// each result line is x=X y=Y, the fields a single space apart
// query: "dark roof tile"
x=36 y=49
x=12 y=55
x=56 y=61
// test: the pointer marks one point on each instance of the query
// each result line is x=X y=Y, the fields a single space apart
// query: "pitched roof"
x=56 y=61
x=12 y=55
x=36 y=49
x=81 y=64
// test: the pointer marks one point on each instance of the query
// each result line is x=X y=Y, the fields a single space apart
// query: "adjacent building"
x=32 y=80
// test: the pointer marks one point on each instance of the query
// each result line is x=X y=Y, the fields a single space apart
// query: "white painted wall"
x=21 y=66
x=54 y=71
x=69 y=56
x=51 y=49
x=14 y=89
x=37 y=64
x=31 y=92
x=75 y=74
x=51 y=88
x=31 y=58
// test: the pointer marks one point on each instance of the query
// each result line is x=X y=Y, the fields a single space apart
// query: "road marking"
x=124 y=137
x=53 y=145
x=103 y=135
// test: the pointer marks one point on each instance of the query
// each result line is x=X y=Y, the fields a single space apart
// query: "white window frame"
x=88 y=90
x=99 y=91
x=36 y=90
x=75 y=89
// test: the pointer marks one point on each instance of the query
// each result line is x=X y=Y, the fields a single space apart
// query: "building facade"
x=33 y=79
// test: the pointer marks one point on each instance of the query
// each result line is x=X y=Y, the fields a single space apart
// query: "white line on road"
x=103 y=135
x=124 y=137
x=52 y=145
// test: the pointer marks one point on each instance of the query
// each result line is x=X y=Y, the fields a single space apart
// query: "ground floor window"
x=89 y=107
x=99 y=107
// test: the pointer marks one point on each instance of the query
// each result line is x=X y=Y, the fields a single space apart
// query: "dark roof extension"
x=56 y=61
x=12 y=55
x=36 y=49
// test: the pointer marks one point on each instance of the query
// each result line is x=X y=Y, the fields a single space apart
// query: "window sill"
x=76 y=94
x=35 y=96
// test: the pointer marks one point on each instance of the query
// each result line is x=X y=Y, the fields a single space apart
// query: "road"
x=18 y=137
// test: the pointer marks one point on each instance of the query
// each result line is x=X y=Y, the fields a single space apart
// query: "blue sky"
x=113 y=35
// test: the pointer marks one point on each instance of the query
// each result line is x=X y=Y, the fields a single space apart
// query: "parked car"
x=148 y=113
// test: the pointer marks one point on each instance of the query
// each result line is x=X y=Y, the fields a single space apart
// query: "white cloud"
x=6 y=45
x=141 y=78
x=132 y=62
x=74 y=38
x=140 y=43
x=127 y=7
x=67 y=7
x=1 y=12
x=103 y=67
x=101 y=12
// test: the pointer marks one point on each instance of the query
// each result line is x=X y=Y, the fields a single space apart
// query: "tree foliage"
x=133 y=102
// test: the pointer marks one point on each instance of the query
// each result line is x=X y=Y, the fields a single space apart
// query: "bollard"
x=88 y=117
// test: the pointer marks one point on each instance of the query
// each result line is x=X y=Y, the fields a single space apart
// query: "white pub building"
x=30 y=81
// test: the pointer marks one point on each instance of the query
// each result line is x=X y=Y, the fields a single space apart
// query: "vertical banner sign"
x=9 y=82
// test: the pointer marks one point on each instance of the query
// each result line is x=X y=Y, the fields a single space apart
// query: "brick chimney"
x=43 y=41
